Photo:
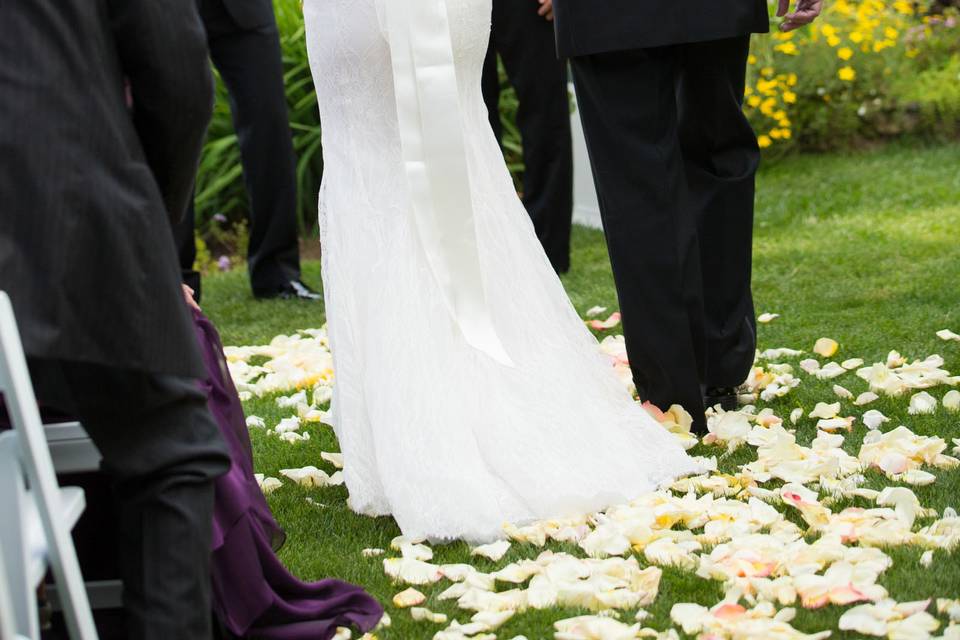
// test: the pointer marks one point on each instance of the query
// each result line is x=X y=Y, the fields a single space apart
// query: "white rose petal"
x=916 y=477
x=336 y=459
x=830 y=371
x=419 y=614
x=825 y=411
x=494 y=551
x=874 y=419
x=922 y=403
x=309 y=477
x=833 y=424
x=267 y=485
x=412 y=571
x=765 y=318
x=866 y=398
x=288 y=425
x=408 y=598
x=842 y=392
x=810 y=365
x=946 y=334
x=951 y=400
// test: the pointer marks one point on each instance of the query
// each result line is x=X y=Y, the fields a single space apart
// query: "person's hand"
x=546 y=9
x=804 y=13
x=188 y=296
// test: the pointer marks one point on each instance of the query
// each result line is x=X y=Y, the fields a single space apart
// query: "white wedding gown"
x=450 y=442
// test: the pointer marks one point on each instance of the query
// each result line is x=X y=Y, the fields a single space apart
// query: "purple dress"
x=254 y=596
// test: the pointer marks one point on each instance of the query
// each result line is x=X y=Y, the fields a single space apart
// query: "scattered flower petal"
x=494 y=551
x=826 y=347
x=408 y=598
x=922 y=403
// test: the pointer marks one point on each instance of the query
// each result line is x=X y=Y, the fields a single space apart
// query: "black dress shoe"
x=293 y=290
x=726 y=397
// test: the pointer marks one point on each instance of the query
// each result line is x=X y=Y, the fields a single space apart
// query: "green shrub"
x=867 y=70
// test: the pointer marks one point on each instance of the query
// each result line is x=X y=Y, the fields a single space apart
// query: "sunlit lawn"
x=863 y=248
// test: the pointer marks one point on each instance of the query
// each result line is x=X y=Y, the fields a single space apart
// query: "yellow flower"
x=751 y=59
x=847 y=74
x=767 y=87
x=764 y=141
x=856 y=37
x=792 y=80
x=789 y=97
x=766 y=107
x=766 y=71
x=903 y=7
x=754 y=101
x=788 y=48
x=833 y=41
x=845 y=53
x=891 y=33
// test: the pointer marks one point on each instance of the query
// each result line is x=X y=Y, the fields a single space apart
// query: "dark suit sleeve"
x=163 y=49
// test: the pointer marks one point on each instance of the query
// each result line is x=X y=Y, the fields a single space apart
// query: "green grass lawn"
x=863 y=248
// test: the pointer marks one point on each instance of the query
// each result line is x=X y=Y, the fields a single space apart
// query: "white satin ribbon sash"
x=435 y=158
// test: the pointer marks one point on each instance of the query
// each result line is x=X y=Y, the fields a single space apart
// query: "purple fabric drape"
x=254 y=595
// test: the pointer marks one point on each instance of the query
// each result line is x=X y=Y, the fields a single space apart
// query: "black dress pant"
x=163 y=450
x=249 y=61
x=674 y=161
x=525 y=42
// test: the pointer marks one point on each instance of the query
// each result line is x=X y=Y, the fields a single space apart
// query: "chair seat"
x=71 y=448
x=72 y=504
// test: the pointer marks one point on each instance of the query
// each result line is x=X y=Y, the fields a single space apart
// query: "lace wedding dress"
x=450 y=441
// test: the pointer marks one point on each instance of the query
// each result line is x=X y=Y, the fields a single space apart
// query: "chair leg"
x=25 y=416
x=23 y=595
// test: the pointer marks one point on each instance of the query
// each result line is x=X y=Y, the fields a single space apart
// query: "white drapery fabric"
x=434 y=155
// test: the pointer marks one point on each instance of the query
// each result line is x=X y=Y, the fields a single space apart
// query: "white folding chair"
x=73 y=451
x=7 y=628
x=37 y=518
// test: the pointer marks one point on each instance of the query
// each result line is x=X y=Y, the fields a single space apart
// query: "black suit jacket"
x=586 y=27
x=87 y=188
x=249 y=14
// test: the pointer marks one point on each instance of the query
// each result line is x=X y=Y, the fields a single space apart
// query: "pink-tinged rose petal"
x=654 y=411
x=794 y=498
x=847 y=594
x=609 y=323
x=728 y=611
x=893 y=463
x=815 y=602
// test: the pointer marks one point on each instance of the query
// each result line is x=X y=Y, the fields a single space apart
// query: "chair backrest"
x=25 y=417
